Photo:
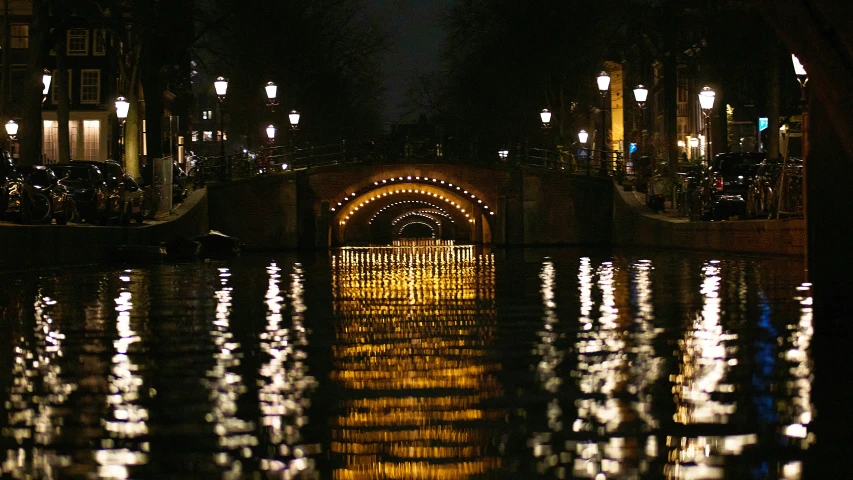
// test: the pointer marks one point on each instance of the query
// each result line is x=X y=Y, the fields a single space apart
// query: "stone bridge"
x=358 y=204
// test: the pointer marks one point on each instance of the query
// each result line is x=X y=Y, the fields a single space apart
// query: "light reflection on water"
x=426 y=362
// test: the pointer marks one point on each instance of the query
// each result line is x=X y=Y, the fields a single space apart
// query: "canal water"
x=410 y=363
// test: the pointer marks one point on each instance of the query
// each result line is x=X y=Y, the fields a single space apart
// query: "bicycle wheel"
x=37 y=209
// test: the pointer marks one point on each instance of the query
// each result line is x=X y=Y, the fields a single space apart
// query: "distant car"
x=87 y=187
x=731 y=175
x=45 y=197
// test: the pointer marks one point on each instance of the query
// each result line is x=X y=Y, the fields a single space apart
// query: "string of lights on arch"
x=404 y=191
x=417 y=222
x=409 y=178
x=422 y=213
x=419 y=216
x=421 y=202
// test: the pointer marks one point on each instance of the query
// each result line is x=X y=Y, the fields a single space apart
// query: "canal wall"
x=635 y=225
x=39 y=246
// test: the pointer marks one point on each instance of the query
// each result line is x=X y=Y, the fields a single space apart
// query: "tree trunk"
x=63 y=108
x=30 y=129
x=132 y=132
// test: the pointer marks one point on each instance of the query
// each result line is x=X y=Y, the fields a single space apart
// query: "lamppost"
x=583 y=137
x=122 y=107
x=272 y=90
x=706 y=101
x=641 y=94
x=46 y=77
x=803 y=79
x=12 y=132
x=545 y=116
x=603 y=82
x=221 y=86
x=271 y=134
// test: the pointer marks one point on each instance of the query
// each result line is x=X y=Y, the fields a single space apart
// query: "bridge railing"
x=250 y=163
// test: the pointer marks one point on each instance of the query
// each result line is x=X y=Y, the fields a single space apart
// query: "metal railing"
x=279 y=159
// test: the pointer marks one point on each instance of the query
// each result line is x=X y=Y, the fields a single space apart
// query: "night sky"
x=415 y=30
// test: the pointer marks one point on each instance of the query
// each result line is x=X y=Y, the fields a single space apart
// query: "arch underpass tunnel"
x=411 y=207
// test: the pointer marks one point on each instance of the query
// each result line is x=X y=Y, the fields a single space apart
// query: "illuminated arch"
x=440 y=183
x=399 y=231
x=409 y=203
x=454 y=202
x=416 y=213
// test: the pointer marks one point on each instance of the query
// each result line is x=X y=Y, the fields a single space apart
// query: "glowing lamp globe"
x=706 y=98
x=221 y=86
x=272 y=90
x=603 y=81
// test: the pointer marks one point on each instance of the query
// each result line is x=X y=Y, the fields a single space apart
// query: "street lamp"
x=46 y=77
x=545 y=115
x=583 y=137
x=641 y=94
x=603 y=81
x=221 y=87
x=294 y=119
x=271 y=133
x=271 y=89
x=706 y=101
x=122 y=107
x=12 y=132
x=12 y=129
x=802 y=76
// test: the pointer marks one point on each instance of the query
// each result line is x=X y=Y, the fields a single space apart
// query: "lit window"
x=195 y=136
x=90 y=86
x=50 y=146
x=207 y=115
x=208 y=136
x=20 y=33
x=91 y=139
x=78 y=42
x=100 y=48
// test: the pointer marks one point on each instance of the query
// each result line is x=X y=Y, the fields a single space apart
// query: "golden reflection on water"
x=413 y=327
x=127 y=418
x=236 y=436
x=284 y=382
x=36 y=395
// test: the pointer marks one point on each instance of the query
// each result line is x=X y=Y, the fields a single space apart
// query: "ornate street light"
x=802 y=76
x=603 y=81
x=641 y=94
x=294 y=119
x=46 y=77
x=122 y=107
x=545 y=115
x=271 y=133
x=12 y=129
x=706 y=101
x=583 y=137
x=221 y=87
x=272 y=90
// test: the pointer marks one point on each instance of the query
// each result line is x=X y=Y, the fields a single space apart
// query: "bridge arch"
x=360 y=211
